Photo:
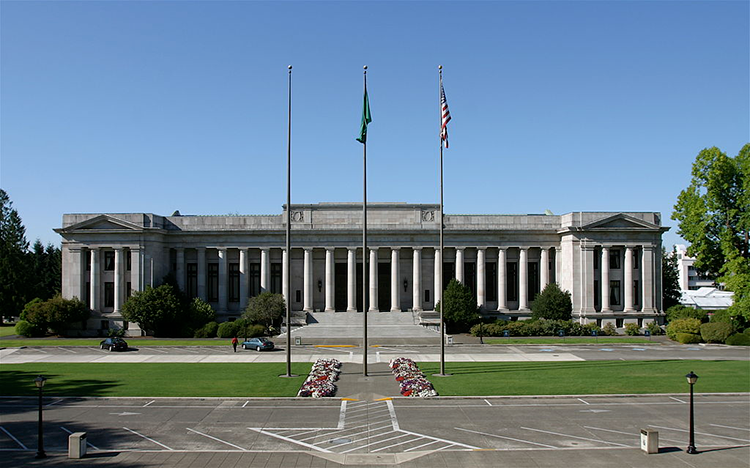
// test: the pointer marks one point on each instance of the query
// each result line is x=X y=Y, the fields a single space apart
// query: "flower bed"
x=320 y=382
x=412 y=380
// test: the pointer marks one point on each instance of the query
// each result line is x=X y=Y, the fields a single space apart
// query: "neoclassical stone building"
x=610 y=262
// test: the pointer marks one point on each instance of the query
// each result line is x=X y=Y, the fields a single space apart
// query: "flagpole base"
x=442 y=375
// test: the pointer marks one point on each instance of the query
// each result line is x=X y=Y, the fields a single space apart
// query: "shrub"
x=739 y=339
x=654 y=328
x=736 y=321
x=157 y=310
x=716 y=332
x=609 y=329
x=552 y=304
x=688 y=338
x=265 y=309
x=228 y=329
x=255 y=330
x=684 y=325
x=677 y=312
x=119 y=332
x=27 y=329
x=460 y=306
x=632 y=329
x=207 y=331
x=201 y=313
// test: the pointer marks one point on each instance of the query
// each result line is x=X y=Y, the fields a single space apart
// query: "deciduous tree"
x=552 y=304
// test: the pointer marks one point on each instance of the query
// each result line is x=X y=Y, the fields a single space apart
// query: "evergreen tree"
x=13 y=259
x=552 y=304
x=460 y=307
x=46 y=271
x=670 y=280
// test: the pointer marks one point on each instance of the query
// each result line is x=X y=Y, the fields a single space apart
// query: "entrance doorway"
x=384 y=286
x=339 y=297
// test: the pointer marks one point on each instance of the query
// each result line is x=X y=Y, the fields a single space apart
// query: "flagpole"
x=289 y=229
x=442 y=289
x=364 y=245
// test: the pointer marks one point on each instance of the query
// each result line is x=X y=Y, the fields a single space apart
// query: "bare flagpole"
x=289 y=230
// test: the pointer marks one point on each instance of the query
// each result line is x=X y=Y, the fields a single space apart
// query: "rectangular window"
x=614 y=292
x=276 y=278
x=533 y=278
x=298 y=296
x=636 y=259
x=109 y=294
x=636 y=292
x=128 y=260
x=213 y=282
x=614 y=259
x=88 y=260
x=427 y=295
x=491 y=281
x=109 y=260
x=597 y=254
x=192 y=280
x=254 y=274
x=234 y=282
x=128 y=290
x=597 y=295
x=88 y=294
x=512 y=283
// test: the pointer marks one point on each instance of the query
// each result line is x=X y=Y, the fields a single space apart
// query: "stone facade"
x=610 y=262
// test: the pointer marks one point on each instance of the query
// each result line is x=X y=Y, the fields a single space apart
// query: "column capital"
x=482 y=249
x=417 y=248
x=460 y=248
x=503 y=249
x=330 y=249
x=307 y=249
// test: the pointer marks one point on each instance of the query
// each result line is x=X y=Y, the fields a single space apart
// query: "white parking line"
x=147 y=404
x=583 y=401
x=392 y=445
x=217 y=439
x=147 y=438
x=730 y=427
x=13 y=437
x=509 y=438
x=677 y=399
x=575 y=437
x=68 y=350
x=87 y=442
x=287 y=439
x=700 y=433
x=392 y=410
x=488 y=403
x=631 y=434
x=420 y=446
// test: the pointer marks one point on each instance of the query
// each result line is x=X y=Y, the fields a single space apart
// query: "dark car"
x=114 y=344
x=257 y=344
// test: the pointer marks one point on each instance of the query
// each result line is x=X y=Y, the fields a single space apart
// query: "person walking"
x=234 y=344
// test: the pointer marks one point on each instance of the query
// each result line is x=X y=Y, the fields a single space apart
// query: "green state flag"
x=366 y=119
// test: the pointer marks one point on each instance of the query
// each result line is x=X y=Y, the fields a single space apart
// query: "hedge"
x=688 y=338
x=716 y=332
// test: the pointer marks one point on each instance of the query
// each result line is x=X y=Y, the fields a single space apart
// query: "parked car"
x=257 y=344
x=114 y=344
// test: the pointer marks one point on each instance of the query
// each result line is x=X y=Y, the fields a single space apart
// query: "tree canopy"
x=460 y=306
x=265 y=309
x=670 y=279
x=155 y=309
x=713 y=214
x=552 y=304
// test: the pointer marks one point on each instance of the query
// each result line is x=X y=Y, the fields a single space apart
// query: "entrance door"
x=339 y=298
x=384 y=286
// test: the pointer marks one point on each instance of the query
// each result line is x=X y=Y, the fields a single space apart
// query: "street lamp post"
x=691 y=378
x=39 y=382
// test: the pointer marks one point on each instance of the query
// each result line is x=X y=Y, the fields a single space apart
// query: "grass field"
x=468 y=379
x=587 y=377
x=550 y=340
x=7 y=330
x=154 y=379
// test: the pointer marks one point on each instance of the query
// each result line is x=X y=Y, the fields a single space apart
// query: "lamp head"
x=39 y=381
x=691 y=378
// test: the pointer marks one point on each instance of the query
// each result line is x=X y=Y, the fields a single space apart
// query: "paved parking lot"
x=363 y=432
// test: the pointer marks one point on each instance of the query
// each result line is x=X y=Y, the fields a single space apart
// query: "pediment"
x=620 y=221
x=104 y=223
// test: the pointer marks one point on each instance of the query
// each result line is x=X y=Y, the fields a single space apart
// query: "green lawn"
x=550 y=340
x=7 y=330
x=587 y=377
x=154 y=379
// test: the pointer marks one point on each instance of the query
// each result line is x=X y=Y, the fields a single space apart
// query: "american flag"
x=446 y=115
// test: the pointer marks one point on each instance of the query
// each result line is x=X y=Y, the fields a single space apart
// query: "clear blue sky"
x=565 y=105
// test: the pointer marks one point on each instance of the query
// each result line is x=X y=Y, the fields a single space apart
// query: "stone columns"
x=523 y=278
x=180 y=267
x=95 y=279
x=329 y=280
x=460 y=264
x=307 y=301
x=647 y=267
x=628 y=286
x=416 y=280
x=202 y=272
x=135 y=269
x=118 y=280
x=265 y=270
x=223 y=280
x=438 y=278
x=502 y=303
x=587 y=277
x=243 y=280
x=605 y=280
x=395 y=287
x=351 y=280
x=481 y=278
x=374 y=279
x=543 y=268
